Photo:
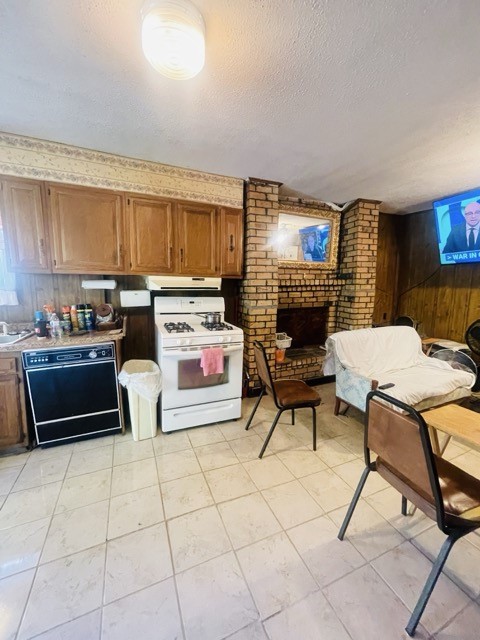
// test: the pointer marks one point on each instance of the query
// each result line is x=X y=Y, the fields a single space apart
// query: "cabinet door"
x=23 y=217
x=11 y=431
x=150 y=227
x=197 y=247
x=231 y=242
x=87 y=230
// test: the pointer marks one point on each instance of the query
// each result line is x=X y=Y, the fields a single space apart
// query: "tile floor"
x=189 y=536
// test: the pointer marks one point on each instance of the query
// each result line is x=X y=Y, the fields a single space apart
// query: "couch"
x=366 y=359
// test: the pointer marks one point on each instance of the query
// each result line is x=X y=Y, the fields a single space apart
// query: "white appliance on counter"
x=189 y=398
x=182 y=283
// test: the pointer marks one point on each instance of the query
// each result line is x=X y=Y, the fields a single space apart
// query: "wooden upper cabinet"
x=231 y=242
x=23 y=217
x=87 y=230
x=150 y=230
x=196 y=239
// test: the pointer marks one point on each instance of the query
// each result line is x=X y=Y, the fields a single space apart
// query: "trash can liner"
x=143 y=377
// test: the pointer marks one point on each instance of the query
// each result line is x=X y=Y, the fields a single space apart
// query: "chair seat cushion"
x=460 y=490
x=460 y=493
x=293 y=393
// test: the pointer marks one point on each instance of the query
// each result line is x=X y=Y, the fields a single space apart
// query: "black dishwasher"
x=73 y=392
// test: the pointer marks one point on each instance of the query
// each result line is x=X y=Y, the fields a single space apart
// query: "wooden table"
x=427 y=344
x=456 y=421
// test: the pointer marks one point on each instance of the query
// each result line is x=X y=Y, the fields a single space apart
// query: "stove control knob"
x=92 y=354
x=179 y=341
x=221 y=339
x=228 y=339
x=187 y=341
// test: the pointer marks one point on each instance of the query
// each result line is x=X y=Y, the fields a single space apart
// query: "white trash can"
x=143 y=381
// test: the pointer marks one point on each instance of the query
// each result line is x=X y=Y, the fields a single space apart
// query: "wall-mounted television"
x=457 y=220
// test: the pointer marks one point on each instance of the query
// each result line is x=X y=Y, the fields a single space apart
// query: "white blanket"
x=414 y=384
x=394 y=354
x=369 y=352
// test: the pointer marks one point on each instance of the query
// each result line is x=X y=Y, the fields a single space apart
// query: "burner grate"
x=178 y=327
x=217 y=326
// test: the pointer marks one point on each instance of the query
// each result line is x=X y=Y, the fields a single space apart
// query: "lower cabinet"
x=13 y=427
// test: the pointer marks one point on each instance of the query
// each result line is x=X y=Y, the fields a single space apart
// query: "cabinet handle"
x=181 y=255
x=42 y=246
x=232 y=248
x=171 y=254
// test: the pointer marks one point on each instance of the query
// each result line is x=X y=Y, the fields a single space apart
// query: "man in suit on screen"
x=465 y=236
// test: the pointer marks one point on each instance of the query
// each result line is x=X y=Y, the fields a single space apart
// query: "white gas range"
x=190 y=398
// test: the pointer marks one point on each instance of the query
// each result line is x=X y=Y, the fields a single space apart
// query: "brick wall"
x=348 y=290
x=259 y=289
x=359 y=236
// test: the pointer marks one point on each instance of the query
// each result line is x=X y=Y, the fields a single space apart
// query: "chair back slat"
x=263 y=369
x=396 y=439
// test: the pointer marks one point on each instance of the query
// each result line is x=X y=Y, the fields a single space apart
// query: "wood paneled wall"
x=35 y=290
x=444 y=299
x=387 y=269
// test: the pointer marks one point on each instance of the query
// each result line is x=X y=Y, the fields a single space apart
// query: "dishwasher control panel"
x=59 y=356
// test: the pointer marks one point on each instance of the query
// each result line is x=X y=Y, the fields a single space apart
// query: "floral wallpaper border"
x=43 y=160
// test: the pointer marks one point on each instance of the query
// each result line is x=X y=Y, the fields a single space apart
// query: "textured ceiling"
x=335 y=98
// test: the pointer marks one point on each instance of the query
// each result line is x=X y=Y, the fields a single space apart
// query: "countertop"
x=92 y=337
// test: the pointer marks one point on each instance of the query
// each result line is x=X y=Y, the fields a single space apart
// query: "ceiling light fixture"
x=173 y=38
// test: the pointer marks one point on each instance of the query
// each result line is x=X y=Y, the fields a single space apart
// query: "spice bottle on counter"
x=89 y=322
x=81 y=317
x=55 y=327
x=73 y=317
x=40 y=325
x=48 y=309
x=66 y=316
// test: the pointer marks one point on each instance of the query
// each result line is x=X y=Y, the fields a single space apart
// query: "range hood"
x=183 y=283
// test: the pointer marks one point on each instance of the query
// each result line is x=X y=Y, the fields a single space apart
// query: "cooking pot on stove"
x=213 y=317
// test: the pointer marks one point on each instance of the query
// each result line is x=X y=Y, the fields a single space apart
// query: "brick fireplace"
x=345 y=294
x=307 y=326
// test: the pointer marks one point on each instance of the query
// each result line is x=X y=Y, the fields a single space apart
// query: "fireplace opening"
x=307 y=326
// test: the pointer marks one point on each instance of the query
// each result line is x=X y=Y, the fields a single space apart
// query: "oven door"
x=184 y=383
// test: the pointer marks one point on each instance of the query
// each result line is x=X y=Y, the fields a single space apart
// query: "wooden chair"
x=405 y=321
x=444 y=492
x=286 y=394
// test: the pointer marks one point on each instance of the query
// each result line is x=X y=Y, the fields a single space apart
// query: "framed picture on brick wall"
x=307 y=237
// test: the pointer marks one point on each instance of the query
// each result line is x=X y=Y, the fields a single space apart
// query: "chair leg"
x=404 y=506
x=353 y=503
x=314 y=425
x=272 y=429
x=247 y=426
x=430 y=583
x=336 y=410
x=293 y=416
x=337 y=407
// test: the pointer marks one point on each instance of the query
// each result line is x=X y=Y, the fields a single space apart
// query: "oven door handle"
x=190 y=352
